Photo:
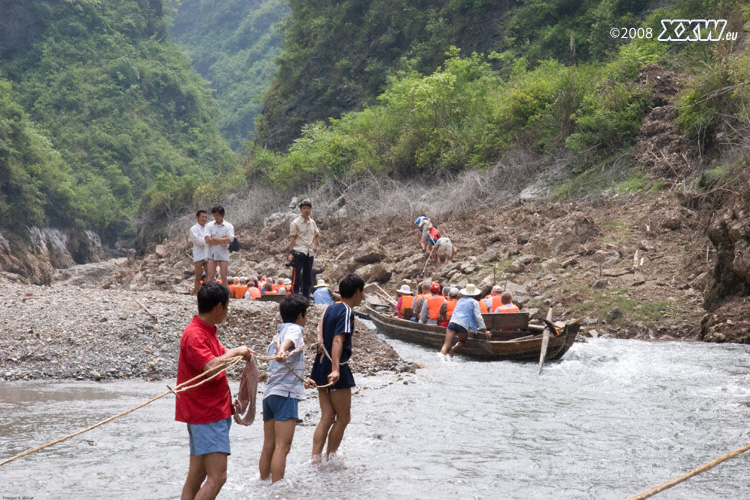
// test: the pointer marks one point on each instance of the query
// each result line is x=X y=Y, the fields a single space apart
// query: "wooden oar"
x=545 y=342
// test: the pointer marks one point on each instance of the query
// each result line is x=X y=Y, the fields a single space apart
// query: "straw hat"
x=404 y=289
x=321 y=282
x=470 y=290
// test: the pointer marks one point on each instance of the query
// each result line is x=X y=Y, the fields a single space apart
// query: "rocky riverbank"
x=66 y=332
x=635 y=266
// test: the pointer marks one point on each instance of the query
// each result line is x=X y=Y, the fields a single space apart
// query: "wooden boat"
x=513 y=338
x=271 y=297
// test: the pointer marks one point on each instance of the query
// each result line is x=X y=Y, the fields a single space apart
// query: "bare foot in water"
x=453 y=351
x=315 y=460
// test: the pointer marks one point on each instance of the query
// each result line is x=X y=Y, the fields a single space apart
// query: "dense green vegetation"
x=472 y=108
x=232 y=44
x=97 y=106
x=102 y=120
x=338 y=55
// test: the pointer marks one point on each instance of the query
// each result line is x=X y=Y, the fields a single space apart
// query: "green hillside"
x=338 y=55
x=389 y=88
x=96 y=107
x=232 y=44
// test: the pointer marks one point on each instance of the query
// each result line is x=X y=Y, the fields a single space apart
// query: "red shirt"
x=211 y=401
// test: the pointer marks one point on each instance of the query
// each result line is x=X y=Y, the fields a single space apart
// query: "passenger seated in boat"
x=253 y=291
x=431 y=306
x=466 y=317
x=323 y=296
x=269 y=288
x=494 y=299
x=446 y=310
x=507 y=304
x=419 y=301
x=405 y=301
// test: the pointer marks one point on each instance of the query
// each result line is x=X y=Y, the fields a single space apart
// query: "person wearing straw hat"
x=467 y=317
x=206 y=409
x=323 y=296
x=405 y=301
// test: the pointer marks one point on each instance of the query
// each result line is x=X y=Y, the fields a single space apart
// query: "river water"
x=611 y=419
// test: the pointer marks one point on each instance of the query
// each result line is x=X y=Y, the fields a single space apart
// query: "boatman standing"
x=207 y=408
x=304 y=236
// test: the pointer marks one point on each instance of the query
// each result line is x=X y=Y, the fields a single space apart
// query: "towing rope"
x=677 y=480
x=180 y=388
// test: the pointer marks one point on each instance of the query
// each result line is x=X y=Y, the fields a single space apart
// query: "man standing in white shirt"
x=219 y=234
x=200 y=248
x=304 y=235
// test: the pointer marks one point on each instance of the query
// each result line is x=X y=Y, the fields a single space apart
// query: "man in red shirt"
x=206 y=409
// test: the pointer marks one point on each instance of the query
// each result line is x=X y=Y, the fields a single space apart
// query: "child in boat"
x=284 y=388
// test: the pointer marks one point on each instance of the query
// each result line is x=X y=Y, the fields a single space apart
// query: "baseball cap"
x=435 y=287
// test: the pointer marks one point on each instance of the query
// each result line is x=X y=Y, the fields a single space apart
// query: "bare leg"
x=327 y=417
x=224 y=270
x=198 y=268
x=284 y=432
x=210 y=271
x=269 y=444
x=462 y=337
x=212 y=467
x=449 y=334
x=196 y=476
x=342 y=406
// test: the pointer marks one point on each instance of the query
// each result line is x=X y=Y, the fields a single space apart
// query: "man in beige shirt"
x=304 y=235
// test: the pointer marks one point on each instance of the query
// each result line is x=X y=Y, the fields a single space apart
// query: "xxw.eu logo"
x=694 y=30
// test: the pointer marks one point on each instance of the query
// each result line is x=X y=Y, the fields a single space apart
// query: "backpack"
x=234 y=246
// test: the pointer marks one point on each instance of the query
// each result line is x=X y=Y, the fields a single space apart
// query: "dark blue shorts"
x=280 y=408
x=210 y=438
x=457 y=328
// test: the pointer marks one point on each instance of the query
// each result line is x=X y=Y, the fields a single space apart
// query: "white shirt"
x=223 y=230
x=198 y=237
x=305 y=231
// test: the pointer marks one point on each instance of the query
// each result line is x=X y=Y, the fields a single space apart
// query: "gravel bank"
x=64 y=332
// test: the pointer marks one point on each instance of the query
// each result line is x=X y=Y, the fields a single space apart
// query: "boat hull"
x=525 y=347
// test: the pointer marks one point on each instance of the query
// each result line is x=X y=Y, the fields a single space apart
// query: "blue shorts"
x=210 y=438
x=457 y=328
x=279 y=408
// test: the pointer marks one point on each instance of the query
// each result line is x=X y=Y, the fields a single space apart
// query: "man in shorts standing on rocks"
x=206 y=409
x=200 y=248
x=219 y=234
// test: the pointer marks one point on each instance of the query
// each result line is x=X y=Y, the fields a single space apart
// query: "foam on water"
x=611 y=419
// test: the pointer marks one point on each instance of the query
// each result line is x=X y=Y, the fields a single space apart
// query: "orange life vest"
x=497 y=301
x=239 y=291
x=482 y=306
x=433 y=304
x=406 y=302
x=231 y=291
x=507 y=308
x=254 y=292
x=449 y=307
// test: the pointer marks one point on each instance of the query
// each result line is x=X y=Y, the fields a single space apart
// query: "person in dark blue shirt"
x=331 y=369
